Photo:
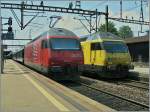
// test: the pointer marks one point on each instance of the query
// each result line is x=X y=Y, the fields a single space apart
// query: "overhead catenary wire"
x=94 y=7
x=101 y=3
x=127 y=10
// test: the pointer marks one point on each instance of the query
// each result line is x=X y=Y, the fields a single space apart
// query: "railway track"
x=137 y=84
x=112 y=100
x=128 y=82
x=139 y=81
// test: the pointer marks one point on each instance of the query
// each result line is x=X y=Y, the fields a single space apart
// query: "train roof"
x=56 y=32
x=101 y=36
x=60 y=32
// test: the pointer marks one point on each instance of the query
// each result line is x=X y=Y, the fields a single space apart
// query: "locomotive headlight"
x=109 y=59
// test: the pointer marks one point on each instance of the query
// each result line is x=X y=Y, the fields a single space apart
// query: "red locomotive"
x=56 y=52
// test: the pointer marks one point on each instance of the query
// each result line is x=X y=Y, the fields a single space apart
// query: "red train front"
x=56 y=52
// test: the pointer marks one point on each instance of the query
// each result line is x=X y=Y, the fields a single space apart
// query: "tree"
x=125 y=32
x=111 y=28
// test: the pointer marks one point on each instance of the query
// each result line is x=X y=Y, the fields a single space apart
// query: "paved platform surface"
x=24 y=90
x=143 y=71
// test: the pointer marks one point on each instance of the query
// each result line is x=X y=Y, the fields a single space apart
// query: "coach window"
x=96 y=46
x=44 y=44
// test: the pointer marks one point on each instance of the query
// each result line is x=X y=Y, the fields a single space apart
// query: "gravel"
x=136 y=94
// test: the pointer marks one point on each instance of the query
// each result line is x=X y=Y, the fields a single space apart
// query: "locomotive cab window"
x=44 y=44
x=96 y=46
x=65 y=44
x=115 y=47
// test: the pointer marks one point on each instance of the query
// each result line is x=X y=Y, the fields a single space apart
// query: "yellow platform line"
x=60 y=106
x=47 y=95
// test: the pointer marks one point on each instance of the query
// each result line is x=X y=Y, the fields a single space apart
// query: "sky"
x=131 y=8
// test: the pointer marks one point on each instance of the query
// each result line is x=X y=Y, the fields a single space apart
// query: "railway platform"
x=143 y=71
x=24 y=90
x=140 y=73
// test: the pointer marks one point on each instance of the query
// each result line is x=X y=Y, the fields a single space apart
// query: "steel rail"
x=134 y=85
x=139 y=81
x=128 y=83
x=134 y=81
x=126 y=99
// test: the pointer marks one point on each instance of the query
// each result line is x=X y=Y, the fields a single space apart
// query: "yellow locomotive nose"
x=115 y=61
x=118 y=58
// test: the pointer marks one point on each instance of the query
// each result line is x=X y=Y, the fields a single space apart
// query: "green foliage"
x=111 y=28
x=125 y=32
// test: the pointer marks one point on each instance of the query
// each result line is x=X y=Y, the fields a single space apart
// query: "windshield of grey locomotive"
x=64 y=44
x=115 y=47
